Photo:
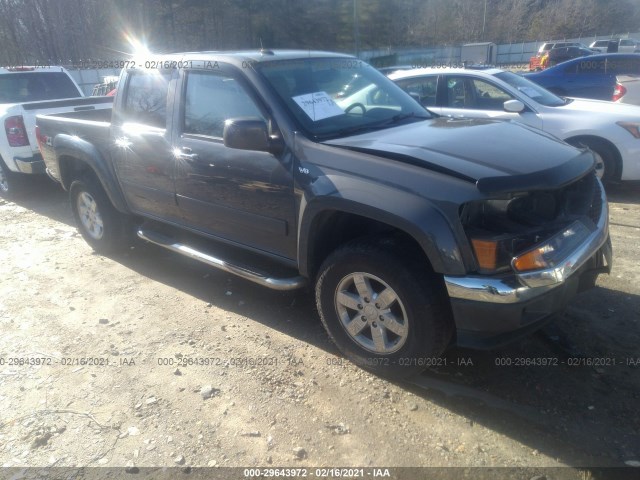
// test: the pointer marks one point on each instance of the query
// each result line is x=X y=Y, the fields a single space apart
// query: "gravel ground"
x=148 y=359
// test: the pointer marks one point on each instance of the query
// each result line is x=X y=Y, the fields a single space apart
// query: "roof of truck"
x=246 y=55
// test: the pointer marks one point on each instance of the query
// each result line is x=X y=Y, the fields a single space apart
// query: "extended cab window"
x=146 y=101
x=212 y=98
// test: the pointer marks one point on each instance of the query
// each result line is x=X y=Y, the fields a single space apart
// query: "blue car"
x=588 y=77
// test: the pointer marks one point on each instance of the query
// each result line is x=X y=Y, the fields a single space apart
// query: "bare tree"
x=67 y=31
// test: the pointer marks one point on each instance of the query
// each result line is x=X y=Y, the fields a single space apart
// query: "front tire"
x=606 y=165
x=382 y=312
x=99 y=223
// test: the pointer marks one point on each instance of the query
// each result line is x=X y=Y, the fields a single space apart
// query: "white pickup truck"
x=24 y=93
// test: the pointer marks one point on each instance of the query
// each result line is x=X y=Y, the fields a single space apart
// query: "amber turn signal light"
x=531 y=260
x=486 y=253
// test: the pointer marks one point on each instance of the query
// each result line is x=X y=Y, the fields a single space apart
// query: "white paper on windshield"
x=529 y=92
x=318 y=105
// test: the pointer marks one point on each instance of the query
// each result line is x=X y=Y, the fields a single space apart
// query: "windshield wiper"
x=403 y=116
x=383 y=124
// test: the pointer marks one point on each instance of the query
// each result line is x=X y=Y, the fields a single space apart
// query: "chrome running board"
x=260 y=278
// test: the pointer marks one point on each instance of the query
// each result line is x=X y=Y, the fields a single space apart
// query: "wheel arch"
x=324 y=228
x=77 y=157
x=575 y=140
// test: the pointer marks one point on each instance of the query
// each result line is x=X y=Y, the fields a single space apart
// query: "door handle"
x=186 y=154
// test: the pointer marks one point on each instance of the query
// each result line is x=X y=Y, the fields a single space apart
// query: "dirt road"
x=148 y=359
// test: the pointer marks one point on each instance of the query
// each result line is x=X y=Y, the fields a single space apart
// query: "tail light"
x=41 y=138
x=618 y=92
x=16 y=132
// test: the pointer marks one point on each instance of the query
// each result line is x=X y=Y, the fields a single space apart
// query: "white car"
x=627 y=89
x=610 y=130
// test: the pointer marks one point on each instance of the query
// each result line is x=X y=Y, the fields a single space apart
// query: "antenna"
x=264 y=51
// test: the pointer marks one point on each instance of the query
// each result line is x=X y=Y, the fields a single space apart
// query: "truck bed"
x=93 y=124
x=102 y=115
x=83 y=107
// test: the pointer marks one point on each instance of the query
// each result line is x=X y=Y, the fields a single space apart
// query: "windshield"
x=31 y=87
x=532 y=90
x=334 y=97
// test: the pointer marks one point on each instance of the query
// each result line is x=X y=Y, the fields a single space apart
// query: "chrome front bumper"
x=522 y=287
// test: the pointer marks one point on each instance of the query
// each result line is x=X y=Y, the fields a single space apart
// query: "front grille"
x=595 y=210
x=583 y=198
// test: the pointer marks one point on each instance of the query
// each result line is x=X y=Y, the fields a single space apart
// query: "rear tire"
x=9 y=181
x=383 y=313
x=99 y=223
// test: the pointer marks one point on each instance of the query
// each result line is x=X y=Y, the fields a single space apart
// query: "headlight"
x=500 y=229
x=551 y=252
x=528 y=231
x=528 y=251
x=632 y=127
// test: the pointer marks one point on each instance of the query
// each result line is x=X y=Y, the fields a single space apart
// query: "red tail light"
x=41 y=138
x=16 y=133
x=618 y=92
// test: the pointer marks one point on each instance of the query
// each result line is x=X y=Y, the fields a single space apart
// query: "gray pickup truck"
x=290 y=168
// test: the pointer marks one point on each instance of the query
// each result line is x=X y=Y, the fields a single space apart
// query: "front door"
x=476 y=97
x=242 y=196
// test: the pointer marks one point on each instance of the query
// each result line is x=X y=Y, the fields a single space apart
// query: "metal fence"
x=507 y=54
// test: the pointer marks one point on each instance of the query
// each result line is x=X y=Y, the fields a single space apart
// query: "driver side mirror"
x=249 y=134
x=513 y=106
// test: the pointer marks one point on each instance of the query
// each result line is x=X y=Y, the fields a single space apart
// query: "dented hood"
x=499 y=156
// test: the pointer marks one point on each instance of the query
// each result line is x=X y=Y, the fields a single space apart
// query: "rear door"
x=245 y=197
x=142 y=152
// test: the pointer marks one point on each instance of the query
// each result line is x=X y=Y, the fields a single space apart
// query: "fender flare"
x=424 y=223
x=73 y=147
